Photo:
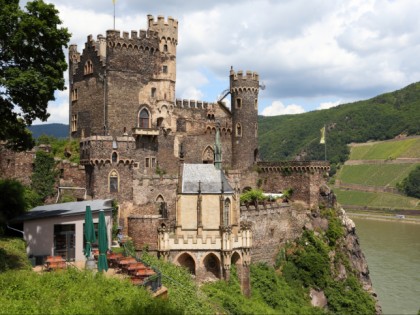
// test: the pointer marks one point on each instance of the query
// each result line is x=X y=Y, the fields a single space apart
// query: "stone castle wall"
x=272 y=226
x=16 y=165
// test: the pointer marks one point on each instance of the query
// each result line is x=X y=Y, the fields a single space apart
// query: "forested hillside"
x=53 y=130
x=380 y=118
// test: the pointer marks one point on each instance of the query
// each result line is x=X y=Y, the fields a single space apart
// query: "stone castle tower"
x=244 y=106
x=124 y=111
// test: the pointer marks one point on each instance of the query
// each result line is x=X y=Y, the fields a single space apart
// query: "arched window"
x=160 y=202
x=226 y=211
x=88 y=69
x=144 y=118
x=238 y=130
x=114 y=157
x=208 y=155
x=113 y=182
x=165 y=48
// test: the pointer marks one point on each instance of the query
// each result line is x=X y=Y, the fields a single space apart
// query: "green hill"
x=382 y=117
x=403 y=148
x=55 y=130
x=369 y=179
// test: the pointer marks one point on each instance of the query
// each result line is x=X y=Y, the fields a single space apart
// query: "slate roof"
x=66 y=209
x=209 y=177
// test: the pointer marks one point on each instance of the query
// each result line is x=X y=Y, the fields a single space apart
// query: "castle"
x=154 y=154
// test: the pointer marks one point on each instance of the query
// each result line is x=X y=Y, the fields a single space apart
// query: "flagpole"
x=113 y=1
x=325 y=144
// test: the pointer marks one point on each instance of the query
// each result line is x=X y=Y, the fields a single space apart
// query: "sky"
x=310 y=55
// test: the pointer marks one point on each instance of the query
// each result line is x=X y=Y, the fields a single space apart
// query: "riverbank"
x=382 y=216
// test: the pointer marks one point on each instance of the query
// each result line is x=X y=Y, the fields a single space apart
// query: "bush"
x=12 y=201
x=13 y=255
x=335 y=229
x=252 y=196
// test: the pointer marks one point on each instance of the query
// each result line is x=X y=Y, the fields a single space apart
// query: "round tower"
x=167 y=32
x=244 y=107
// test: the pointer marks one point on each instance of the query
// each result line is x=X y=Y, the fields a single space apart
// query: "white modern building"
x=57 y=229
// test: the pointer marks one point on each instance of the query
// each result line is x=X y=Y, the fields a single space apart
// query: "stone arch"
x=159 y=122
x=208 y=155
x=236 y=259
x=161 y=206
x=187 y=261
x=211 y=266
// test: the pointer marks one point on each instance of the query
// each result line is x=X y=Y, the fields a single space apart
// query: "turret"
x=168 y=35
x=244 y=107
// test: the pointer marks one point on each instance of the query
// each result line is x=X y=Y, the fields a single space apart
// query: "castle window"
x=159 y=121
x=256 y=130
x=74 y=95
x=147 y=162
x=114 y=157
x=226 y=211
x=238 y=130
x=161 y=204
x=153 y=92
x=144 y=118
x=256 y=103
x=153 y=162
x=88 y=69
x=238 y=102
x=73 y=123
x=165 y=69
x=165 y=48
x=113 y=182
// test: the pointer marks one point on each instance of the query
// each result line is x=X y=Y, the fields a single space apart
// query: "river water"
x=392 y=250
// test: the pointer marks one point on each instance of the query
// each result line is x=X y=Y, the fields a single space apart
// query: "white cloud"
x=301 y=49
x=278 y=108
x=326 y=105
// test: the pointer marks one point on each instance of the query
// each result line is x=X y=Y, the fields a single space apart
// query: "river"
x=392 y=250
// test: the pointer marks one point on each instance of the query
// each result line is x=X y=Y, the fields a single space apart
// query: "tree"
x=411 y=184
x=12 y=202
x=44 y=174
x=32 y=63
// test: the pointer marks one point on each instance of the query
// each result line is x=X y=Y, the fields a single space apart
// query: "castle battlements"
x=213 y=242
x=183 y=103
x=293 y=166
x=249 y=75
x=117 y=35
x=167 y=29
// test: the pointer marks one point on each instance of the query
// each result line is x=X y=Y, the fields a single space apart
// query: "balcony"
x=145 y=131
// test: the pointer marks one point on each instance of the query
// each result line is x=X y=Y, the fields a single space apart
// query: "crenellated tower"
x=244 y=107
